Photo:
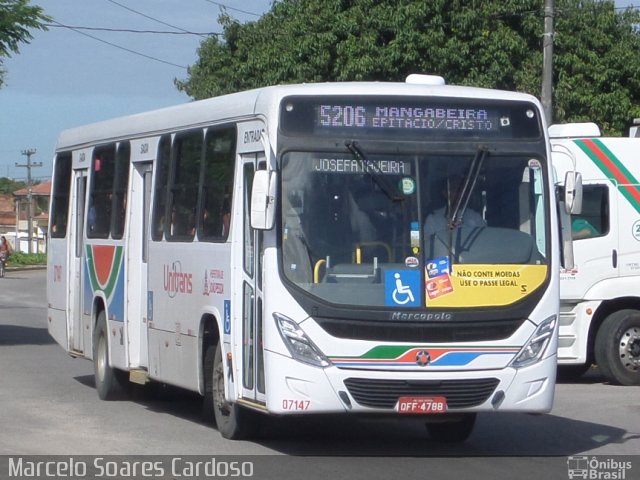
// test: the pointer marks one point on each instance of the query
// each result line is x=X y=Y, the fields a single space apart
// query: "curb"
x=26 y=267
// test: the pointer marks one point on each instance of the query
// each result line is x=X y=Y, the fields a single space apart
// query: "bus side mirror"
x=573 y=193
x=263 y=200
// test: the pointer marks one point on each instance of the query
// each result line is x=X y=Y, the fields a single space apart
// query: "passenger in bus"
x=226 y=217
x=176 y=226
x=191 y=224
x=91 y=218
x=438 y=220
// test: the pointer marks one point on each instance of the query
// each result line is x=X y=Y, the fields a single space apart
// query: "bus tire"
x=617 y=347
x=232 y=421
x=110 y=383
x=452 y=431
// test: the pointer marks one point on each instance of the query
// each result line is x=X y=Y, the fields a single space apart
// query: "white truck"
x=600 y=295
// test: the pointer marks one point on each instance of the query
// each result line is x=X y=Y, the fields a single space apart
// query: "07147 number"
x=298 y=405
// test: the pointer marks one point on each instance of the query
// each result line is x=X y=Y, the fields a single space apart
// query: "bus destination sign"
x=413 y=118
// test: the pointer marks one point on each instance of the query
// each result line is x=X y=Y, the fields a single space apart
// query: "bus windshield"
x=413 y=230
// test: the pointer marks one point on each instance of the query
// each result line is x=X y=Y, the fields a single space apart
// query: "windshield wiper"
x=374 y=172
x=470 y=179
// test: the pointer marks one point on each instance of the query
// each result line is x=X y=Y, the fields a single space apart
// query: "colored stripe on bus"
x=613 y=168
x=104 y=262
x=399 y=355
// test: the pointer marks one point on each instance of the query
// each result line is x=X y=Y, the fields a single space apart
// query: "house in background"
x=14 y=217
x=40 y=194
x=7 y=215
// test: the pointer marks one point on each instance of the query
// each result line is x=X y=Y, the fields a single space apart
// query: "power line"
x=128 y=30
x=147 y=16
x=125 y=48
x=232 y=8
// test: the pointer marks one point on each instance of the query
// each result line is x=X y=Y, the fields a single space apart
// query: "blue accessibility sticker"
x=402 y=288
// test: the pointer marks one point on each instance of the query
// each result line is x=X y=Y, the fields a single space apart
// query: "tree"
x=493 y=43
x=8 y=186
x=16 y=18
x=597 y=68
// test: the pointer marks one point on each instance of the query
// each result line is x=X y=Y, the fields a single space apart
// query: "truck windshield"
x=348 y=241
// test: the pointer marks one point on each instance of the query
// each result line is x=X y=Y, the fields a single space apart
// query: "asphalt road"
x=48 y=406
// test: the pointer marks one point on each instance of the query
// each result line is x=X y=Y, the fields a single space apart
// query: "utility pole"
x=547 y=60
x=29 y=165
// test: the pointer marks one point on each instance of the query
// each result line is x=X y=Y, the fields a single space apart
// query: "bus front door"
x=137 y=266
x=77 y=259
x=253 y=388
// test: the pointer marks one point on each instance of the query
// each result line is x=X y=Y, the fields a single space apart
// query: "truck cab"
x=600 y=293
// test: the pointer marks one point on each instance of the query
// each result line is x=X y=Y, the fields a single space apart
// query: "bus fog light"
x=535 y=348
x=299 y=345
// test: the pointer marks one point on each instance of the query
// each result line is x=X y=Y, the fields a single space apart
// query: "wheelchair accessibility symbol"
x=402 y=288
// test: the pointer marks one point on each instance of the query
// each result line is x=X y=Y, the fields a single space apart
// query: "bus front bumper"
x=297 y=388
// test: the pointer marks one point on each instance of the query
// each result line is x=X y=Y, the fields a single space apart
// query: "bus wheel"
x=452 y=431
x=110 y=383
x=231 y=419
x=617 y=348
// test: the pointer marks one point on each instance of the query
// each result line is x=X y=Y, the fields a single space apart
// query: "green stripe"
x=115 y=272
x=625 y=189
x=615 y=160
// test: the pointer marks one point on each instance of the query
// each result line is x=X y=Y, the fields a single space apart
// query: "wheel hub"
x=629 y=349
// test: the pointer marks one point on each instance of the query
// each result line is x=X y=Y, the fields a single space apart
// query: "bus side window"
x=160 y=196
x=217 y=184
x=60 y=196
x=101 y=192
x=121 y=182
x=183 y=189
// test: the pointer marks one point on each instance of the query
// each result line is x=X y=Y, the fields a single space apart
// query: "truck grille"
x=377 y=393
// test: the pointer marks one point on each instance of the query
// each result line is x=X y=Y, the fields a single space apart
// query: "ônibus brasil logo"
x=597 y=468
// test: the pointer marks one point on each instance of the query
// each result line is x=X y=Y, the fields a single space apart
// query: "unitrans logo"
x=597 y=468
x=176 y=281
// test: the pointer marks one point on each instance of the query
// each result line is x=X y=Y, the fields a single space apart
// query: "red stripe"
x=620 y=177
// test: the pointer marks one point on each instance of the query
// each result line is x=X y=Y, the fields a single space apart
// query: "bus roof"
x=249 y=104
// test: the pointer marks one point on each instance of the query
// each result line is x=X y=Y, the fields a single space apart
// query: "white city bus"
x=269 y=250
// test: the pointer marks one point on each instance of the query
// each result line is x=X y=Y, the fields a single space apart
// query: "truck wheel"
x=110 y=383
x=233 y=422
x=617 y=347
x=452 y=431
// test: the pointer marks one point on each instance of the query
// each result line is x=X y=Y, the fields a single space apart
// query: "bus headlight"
x=299 y=345
x=535 y=348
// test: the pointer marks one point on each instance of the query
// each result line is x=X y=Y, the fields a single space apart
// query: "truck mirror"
x=573 y=193
x=263 y=195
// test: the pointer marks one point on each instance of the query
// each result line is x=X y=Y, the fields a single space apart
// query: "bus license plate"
x=421 y=405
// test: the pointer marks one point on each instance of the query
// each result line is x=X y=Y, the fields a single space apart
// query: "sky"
x=64 y=78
